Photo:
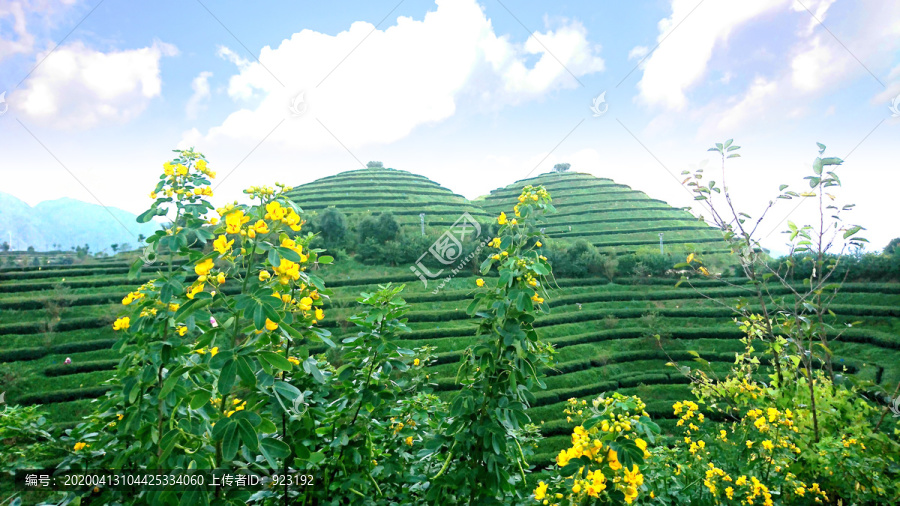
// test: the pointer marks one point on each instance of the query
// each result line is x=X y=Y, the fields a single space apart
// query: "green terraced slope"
x=601 y=330
x=611 y=215
x=376 y=191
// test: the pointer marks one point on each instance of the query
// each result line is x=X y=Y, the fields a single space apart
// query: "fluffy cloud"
x=19 y=14
x=201 y=95
x=78 y=87
x=681 y=61
x=368 y=85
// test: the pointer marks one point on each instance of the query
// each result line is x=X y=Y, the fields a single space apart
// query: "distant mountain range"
x=67 y=222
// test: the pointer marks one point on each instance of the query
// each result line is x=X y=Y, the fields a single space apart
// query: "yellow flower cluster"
x=222 y=245
x=286 y=215
x=80 y=446
x=234 y=220
x=131 y=297
x=589 y=443
x=212 y=351
x=239 y=405
x=122 y=323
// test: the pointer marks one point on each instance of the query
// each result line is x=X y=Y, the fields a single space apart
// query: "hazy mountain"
x=68 y=222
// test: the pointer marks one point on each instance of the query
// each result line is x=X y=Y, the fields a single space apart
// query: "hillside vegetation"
x=614 y=330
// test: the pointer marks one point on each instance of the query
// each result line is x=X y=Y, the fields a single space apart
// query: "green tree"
x=486 y=433
x=333 y=226
x=892 y=247
x=561 y=167
x=374 y=165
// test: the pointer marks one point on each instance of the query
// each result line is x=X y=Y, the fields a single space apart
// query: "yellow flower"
x=305 y=303
x=264 y=275
x=213 y=351
x=220 y=278
x=261 y=227
x=536 y=298
x=538 y=244
x=270 y=325
x=181 y=170
x=122 y=323
x=541 y=491
x=222 y=244
x=416 y=362
x=409 y=441
x=168 y=169
x=294 y=360
x=120 y=416
x=320 y=315
x=182 y=330
x=203 y=268
x=79 y=446
x=194 y=290
x=501 y=219
x=768 y=445
x=749 y=444
x=153 y=195
x=234 y=221
x=174 y=307
x=729 y=491
x=479 y=282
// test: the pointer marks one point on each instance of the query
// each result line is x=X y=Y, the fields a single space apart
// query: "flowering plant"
x=603 y=464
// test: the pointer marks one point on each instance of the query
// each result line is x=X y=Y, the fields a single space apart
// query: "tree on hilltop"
x=561 y=167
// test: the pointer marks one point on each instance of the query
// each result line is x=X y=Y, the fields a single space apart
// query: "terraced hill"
x=601 y=330
x=378 y=190
x=611 y=215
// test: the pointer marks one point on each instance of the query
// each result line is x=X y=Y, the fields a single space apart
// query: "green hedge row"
x=62 y=326
x=79 y=367
x=40 y=352
x=72 y=273
x=73 y=394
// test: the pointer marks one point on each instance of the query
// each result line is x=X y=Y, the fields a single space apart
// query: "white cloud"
x=400 y=77
x=818 y=65
x=78 y=87
x=20 y=13
x=680 y=61
x=750 y=105
x=638 y=52
x=201 y=95
x=818 y=8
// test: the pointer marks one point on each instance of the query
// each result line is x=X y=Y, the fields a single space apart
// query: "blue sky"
x=474 y=95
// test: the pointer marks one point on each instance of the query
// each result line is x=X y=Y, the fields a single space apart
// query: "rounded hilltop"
x=611 y=215
x=380 y=190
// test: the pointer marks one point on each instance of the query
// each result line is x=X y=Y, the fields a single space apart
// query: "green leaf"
x=245 y=371
x=147 y=215
x=276 y=360
x=248 y=434
x=167 y=443
x=289 y=254
x=286 y=390
x=259 y=317
x=230 y=442
x=272 y=449
x=325 y=259
x=199 y=399
x=135 y=268
x=226 y=377
x=266 y=426
x=852 y=230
